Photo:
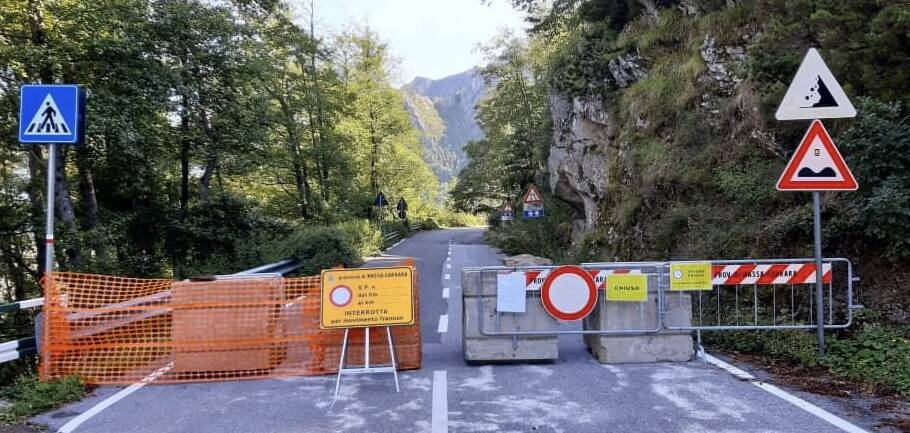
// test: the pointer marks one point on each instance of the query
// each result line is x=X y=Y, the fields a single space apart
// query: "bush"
x=363 y=235
x=29 y=396
x=876 y=355
x=460 y=219
x=319 y=248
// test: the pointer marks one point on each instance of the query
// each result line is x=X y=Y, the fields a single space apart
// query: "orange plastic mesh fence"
x=113 y=330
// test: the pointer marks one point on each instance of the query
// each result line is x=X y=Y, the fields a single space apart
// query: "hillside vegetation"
x=220 y=136
x=652 y=132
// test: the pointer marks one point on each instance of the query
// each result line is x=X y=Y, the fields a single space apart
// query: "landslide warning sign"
x=358 y=298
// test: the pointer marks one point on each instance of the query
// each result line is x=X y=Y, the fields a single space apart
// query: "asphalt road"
x=573 y=394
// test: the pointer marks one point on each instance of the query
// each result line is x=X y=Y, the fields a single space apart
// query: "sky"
x=431 y=38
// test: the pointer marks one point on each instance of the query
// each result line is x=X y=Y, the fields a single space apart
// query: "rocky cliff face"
x=443 y=111
x=584 y=128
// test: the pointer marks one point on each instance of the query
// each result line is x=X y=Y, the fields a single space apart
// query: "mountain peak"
x=443 y=111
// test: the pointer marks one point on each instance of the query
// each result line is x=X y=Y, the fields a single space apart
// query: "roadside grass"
x=876 y=355
x=28 y=396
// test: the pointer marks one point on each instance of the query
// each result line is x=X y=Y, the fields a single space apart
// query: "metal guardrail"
x=23 y=347
x=390 y=236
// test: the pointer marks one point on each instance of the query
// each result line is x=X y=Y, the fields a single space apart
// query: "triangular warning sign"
x=817 y=165
x=48 y=120
x=507 y=207
x=814 y=93
x=533 y=195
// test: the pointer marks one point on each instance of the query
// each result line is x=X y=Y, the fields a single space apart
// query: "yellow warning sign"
x=357 y=298
x=627 y=287
x=690 y=276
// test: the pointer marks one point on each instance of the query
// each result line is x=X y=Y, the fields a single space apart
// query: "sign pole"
x=49 y=235
x=819 y=273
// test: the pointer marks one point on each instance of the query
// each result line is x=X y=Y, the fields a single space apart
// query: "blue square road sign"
x=51 y=113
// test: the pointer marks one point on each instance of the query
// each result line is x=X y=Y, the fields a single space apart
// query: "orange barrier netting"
x=113 y=330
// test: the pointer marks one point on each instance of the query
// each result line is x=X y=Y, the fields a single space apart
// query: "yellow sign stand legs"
x=366 y=369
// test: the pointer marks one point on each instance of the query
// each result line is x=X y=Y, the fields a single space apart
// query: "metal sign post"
x=819 y=273
x=816 y=165
x=50 y=114
x=49 y=234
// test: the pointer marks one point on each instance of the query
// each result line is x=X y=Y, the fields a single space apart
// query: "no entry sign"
x=568 y=293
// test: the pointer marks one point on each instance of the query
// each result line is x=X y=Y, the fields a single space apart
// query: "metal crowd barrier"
x=767 y=294
x=599 y=271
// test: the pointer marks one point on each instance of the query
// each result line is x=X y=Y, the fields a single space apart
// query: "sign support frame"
x=366 y=369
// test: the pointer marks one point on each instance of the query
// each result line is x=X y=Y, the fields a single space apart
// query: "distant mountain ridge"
x=443 y=111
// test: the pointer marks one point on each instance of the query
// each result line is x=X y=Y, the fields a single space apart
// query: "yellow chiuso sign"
x=357 y=298
x=627 y=287
x=690 y=276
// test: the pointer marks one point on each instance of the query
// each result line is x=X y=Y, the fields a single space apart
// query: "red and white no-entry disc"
x=568 y=293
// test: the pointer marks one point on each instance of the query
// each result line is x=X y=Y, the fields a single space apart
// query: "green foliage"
x=319 y=248
x=29 y=396
x=214 y=129
x=796 y=346
x=876 y=355
x=457 y=219
x=877 y=218
x=550 y=236
x=515 y=118
x=363 y=235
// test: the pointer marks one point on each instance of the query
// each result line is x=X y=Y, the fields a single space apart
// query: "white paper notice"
x=510 y=292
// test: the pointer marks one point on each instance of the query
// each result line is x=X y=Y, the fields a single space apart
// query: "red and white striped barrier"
x=767 y=274
x=534 y=279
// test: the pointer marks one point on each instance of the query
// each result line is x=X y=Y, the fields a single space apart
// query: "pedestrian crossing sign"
x=51 y=113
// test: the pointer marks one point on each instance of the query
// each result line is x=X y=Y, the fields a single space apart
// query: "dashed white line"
x=440 y=411
x=445 y=293
x=448 y=266
x=443 y=323
x=74 y=423
x=447 y=276
x=784 y=395
x=394 y=245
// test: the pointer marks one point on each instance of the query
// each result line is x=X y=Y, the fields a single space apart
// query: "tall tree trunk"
x=320 y=113
x=66 y=211
x=184 y=159
x=375 y=140
x=298 y=164
x=89 y=200
x=36 y=198
x=205 y=182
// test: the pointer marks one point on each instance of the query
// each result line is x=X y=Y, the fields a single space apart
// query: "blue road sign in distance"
x=50 y=113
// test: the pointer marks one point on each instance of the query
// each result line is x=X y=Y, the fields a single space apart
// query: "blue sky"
x=432 y=38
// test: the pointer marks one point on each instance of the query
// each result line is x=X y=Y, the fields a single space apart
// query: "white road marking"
x=829 y=417
x=74 y=423
x=448 y=266
x=443 y=323
x=447 y=277
x=445 y=293
x=394 y=245
x=439 y=420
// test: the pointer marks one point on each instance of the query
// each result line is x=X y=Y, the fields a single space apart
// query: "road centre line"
x=74 y=423
x=448 y=266
x=445 y=293
x=443 y=323
x=439 y=418
x=784 y=395
x=447 y=277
